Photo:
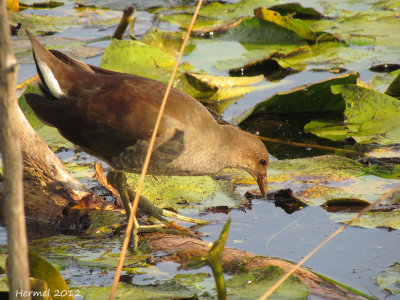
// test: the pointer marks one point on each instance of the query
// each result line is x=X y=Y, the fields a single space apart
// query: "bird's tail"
x=55 y=69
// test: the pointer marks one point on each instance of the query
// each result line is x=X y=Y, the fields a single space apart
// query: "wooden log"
x=51 y=193
x=180 y=248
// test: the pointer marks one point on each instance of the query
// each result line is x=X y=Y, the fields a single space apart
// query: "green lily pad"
x=258 y=31
x=369 y=117
x=325 y=180
x=38 y=24
x=41 y=269
x=316 y=97
x=215 y=11
x=365 y=29
x=186 y=193
x=371 y=219
x=317 y=180
x=389 y=280
x=381 y=82
x=169 y=42
x=86 y=253
x=274 y=66
x=184 y=20
x=394 y=89
x=135 y=57
x=294 y=25
x=235 y=11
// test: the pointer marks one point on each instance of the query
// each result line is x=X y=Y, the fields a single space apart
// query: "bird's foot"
x=147 y=207
x=117 y=179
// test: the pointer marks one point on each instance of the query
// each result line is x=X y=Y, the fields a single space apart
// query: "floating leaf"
x=40 y=24
x=204 y=82
x=381 y=82
x=186 y=193
x=259 y=31
x=316 y=97
x=294 y=25
x=47 y=4
x=394 y=88
x=272 y=66
x=371 y=219
x=389 y=280
x=41 y=269
x=135 y=57
x=184 y=20
x=168 y=42
x=369 y=116
x=233 y=10
x=321 y=179
x=297 y=10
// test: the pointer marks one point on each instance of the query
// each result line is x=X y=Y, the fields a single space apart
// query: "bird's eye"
x=262 y=162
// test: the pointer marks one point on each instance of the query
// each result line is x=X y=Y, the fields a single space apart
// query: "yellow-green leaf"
x=41 y=269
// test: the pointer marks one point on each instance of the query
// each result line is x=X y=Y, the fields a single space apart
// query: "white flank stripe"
x=50 y=80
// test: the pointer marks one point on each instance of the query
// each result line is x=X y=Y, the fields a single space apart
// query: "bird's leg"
x=150 y=209
x=119 y=178
x=127 y=194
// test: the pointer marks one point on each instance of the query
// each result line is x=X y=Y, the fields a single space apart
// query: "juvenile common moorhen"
x=111 y=116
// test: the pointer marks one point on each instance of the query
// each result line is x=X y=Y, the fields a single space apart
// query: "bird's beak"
x=262 y=183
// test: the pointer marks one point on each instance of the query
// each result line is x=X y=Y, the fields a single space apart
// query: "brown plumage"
x=111 y=116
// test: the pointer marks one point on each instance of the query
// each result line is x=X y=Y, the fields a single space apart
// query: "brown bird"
x=111 y=116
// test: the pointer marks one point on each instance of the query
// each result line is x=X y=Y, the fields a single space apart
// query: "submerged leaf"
x=253 y=284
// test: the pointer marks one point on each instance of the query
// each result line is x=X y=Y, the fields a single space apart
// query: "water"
x=356 y=257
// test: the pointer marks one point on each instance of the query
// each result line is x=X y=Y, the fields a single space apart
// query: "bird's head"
x=254 y=159
x=259 y=159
